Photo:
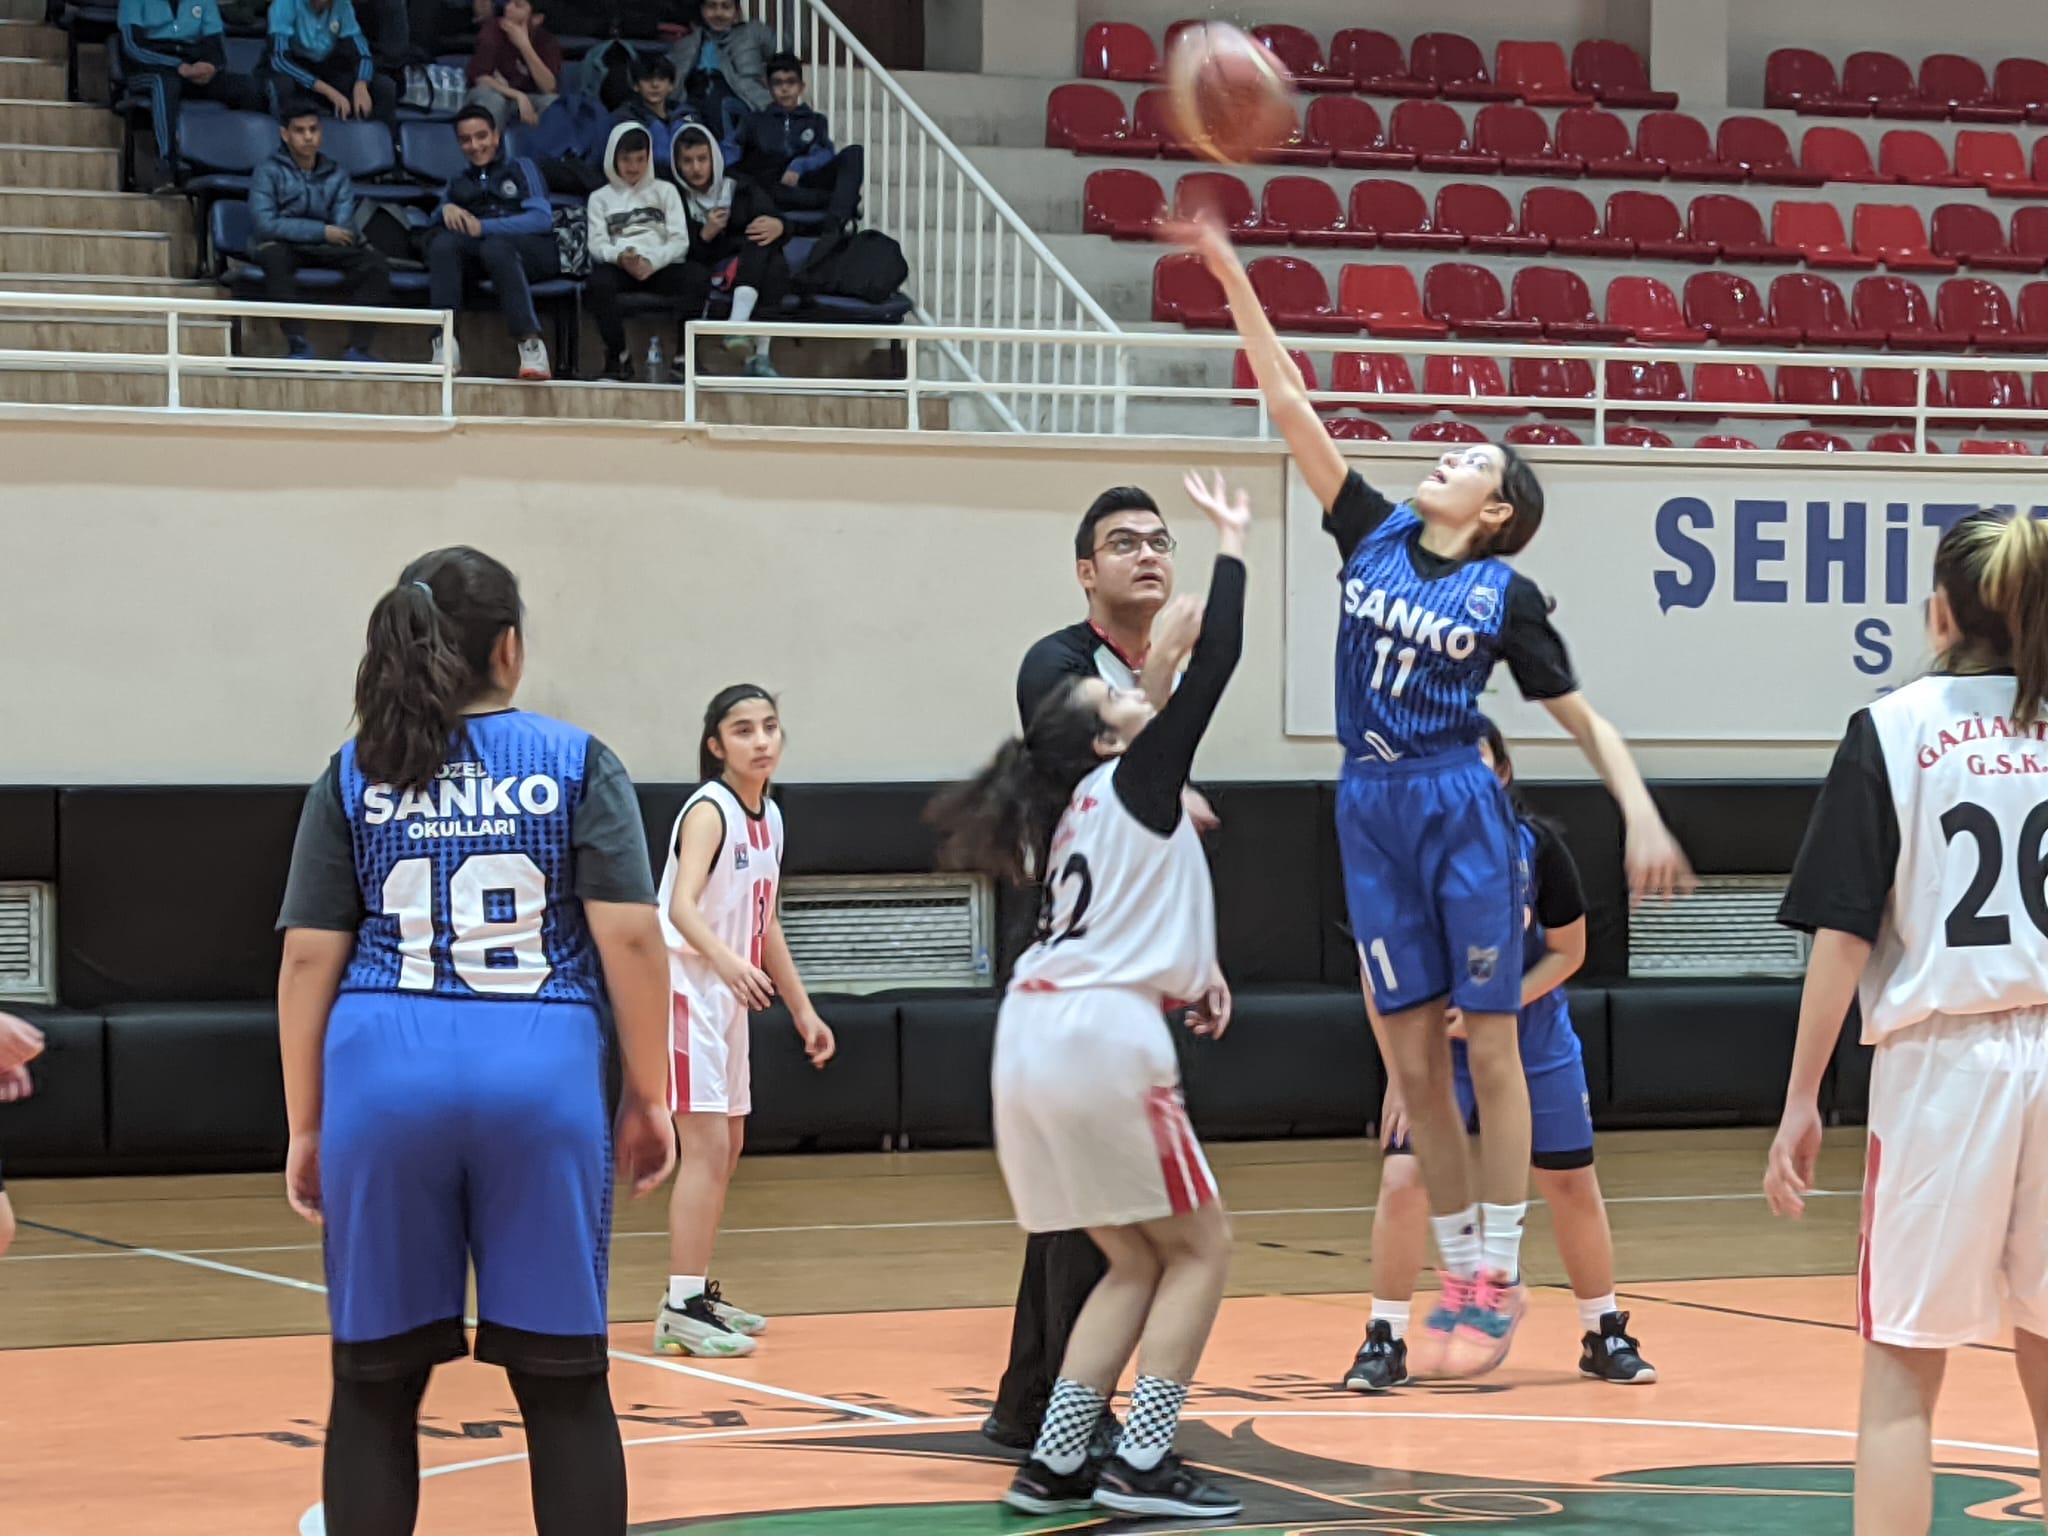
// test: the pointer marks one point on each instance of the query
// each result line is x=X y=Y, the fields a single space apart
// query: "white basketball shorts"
x=708 y=1044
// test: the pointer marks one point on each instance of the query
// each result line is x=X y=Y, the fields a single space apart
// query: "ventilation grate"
x=1728 y=927
x=864 y=933
x=28 y=972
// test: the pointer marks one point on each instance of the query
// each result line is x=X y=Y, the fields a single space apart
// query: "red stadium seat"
x=1295 y=295
x=1396 y=213
x=1350 y=130
x=1732 y=311
x=1802 y=385
x=1173 y=32
x=1897 y=307
x=1760 y=148
x=1522 y=140
x=1815 y=231
x=1971 y=235
x=1375 y=373
x=1999 y=390
x=1651 y=221
x=1736 y=227
x=1888 y=85
x=1981 y=308
x=1436 y=135
x=2001 y=445
x=1356 y=429
x=1537 y=73
x=1601 y=142
x=1681 y=142
x=1892 y=232
x=1469 y=300
x=2032 y=309
x=1116 y=50
x=1184 y=292
x=1476 y=377
x=1806 y=440
x=1385 y=301
x=1375 y=62
x=1724 y=443
x=1731 y=384
x=1816 y=306
x=1899 y=442
x=1457 y=66
x=1919 y=159
x=1960 y=84
x=1557 y=299
x=1090 y=120
x=2023 y=83
x=1306 y=207
x=1541 y=434
x=1242 y=376
x=1839 y=154
x=1896 y=389
x=1302 y=57
x=1637 y=437
x=1294 y=150
x=1992 y=158
x=2030 y=235
x=1447 y=432
x=1636 y=383
x=1553 y=378
x=1800 y=80
x=1486 y=220
x=1650 y=310
x=1230 y=200
x=1614 y=73
x=1152 y=118
x=1125 y=205
x=1568 y=220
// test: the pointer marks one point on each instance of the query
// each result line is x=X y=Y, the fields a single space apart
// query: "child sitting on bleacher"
x=736 y=237
x=786 y=147
x=302 y=214
x=655 y=106
x=724 y=63
x=517 y=67
x=318 y=46
x=174 y=51
x=638 y=239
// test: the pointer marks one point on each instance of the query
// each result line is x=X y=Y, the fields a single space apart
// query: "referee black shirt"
x=1079 y=650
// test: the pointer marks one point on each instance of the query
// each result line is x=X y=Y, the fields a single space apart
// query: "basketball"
x=1231 y=97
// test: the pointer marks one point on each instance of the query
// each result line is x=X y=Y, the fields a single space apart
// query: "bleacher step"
x=61 y=331
x=58 y=122
x=31 y=79
x=23 y=10
x=31 y=40
x=63 y=167
x=98 y=252
x=84 y=209
x=159 y=288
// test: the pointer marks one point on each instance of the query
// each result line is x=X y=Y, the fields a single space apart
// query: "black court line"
x=83 y=1237
x=1777 y=1317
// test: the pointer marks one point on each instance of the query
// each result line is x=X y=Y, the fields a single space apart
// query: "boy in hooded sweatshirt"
x=735 y=236
x=638 y=239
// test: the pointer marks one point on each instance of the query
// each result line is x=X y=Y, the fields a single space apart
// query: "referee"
x=1123 y=558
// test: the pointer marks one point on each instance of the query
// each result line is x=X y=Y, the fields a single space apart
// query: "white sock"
x=1394 y=1314
x=1501 y=1238
x=682 y=1287
x=1590 y=1312
x=1457 y=1239
x=743 y=302
x=761 y=346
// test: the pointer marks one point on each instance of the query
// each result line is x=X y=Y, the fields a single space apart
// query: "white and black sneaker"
x=1382 y=1362
x=1611 y=1355
x=1038 y=1490
x=1171 y=1488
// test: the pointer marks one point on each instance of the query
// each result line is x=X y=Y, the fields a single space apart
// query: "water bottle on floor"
x=655 y=373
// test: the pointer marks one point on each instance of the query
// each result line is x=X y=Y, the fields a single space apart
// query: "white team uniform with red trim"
x=707 y=1022
x=1091 y=1130
x=1955 y=999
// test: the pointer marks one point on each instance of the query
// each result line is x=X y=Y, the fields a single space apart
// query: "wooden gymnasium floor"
x=164 y=1372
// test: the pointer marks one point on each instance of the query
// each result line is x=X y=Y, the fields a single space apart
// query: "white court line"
x=832 y=1403
x=922 y=1226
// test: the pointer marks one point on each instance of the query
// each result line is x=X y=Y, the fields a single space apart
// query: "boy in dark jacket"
x=303 y=207
x=735 y=236
x=655 y=106
x=176 y=50
x=786 y=147
x=725 y=60
x=495 y=221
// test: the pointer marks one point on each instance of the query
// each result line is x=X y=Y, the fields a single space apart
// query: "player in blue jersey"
x=1433 y=868
x=469 y=888
x=1553 y=949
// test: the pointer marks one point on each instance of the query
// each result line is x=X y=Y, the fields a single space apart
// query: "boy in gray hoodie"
x=638 y=239
x=736 y=236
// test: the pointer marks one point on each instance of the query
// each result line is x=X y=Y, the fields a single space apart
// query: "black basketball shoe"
x=1611 y=1355
x=1171 y=1488
x=1038 y=1490
x=1382 y=1362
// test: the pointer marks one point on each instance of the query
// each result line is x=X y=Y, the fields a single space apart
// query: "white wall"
x=1988 y=30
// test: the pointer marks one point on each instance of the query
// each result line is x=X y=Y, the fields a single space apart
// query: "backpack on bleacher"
x=867 y=266
x=572 y=241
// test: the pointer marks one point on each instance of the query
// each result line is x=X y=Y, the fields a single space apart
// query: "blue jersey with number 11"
x=469 y=886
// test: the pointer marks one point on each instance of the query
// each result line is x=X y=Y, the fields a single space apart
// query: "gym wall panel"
x=28 y=834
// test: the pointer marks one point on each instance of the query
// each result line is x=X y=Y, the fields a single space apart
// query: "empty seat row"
x=1533 y=434
x=1553 y=303
x=1438 y=63
x=1877 y=84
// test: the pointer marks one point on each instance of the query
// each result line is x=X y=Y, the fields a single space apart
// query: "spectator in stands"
x=303 y=208
x=496 y=222
x=517 y=66
x=175 y=51
x=725 y=61
x=787 y=148
x=20 y=1043
x=655 y=106
x=318 y=46
x=736 y=238
x=638 y=239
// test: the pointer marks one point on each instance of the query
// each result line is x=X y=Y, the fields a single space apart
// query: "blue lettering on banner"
x=1875 y=655
x=1674 y=520
x=1896 y=515
x=1824 y=550
x=1752 y=549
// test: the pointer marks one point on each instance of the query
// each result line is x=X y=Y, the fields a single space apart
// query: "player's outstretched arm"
x=1322 y=466
x=1832 y=971
x=1657 y=866
x=307 y=984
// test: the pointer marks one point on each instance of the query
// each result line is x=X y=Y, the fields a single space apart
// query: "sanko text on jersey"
x=464 y=802
x=1409 y=620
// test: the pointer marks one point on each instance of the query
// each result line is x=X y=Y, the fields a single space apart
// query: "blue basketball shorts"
x=1435 y=880
x=1560 y=1112
x=461 y=1132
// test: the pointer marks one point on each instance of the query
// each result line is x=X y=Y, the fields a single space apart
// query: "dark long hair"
x=709 y=764
x=1522 y=491
x=1001 y=821
x=427 y=657
x=1993 y=569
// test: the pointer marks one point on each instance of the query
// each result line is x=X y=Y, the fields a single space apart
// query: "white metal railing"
x=174 y=363
x=975 y=265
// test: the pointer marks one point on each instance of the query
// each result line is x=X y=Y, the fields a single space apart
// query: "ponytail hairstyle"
x=1523 y=492
x=1001 y=821
x=709 y=764
x=1993 y=569
x=428 y=657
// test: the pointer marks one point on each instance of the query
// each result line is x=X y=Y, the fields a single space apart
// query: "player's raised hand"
x=1657 y=866
x=1177 y=627
x=646 y=1140
x=1205 y=235
x=1230 y=512
x=1788 y=1176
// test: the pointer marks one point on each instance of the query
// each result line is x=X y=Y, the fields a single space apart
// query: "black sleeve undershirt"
x=1155 y=770
x=1358 y=509
x=1531 y=646
x=1560 y=898
x=1843 y=876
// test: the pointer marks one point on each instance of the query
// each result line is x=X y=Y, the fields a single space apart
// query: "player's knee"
x=1401 y=1181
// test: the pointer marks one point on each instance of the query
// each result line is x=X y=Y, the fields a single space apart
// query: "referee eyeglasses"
x=1123 y=543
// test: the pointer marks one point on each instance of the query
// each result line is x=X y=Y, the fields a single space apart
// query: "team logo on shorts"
x=1482 y=603
x=1480 y=964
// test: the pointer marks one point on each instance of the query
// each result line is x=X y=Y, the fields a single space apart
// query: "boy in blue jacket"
x=496 y=222
x=175 y=49
x=303 y=207
x=317 y=47
x=786 y=147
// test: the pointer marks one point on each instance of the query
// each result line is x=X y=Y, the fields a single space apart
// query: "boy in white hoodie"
x=638 y=239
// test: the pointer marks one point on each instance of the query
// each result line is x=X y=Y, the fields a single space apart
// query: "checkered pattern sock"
x=1155 y=1414
x=1069 y=1422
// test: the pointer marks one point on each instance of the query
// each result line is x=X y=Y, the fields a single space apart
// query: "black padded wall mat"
x=28 y=834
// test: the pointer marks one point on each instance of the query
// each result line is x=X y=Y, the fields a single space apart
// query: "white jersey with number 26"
x=738 y=901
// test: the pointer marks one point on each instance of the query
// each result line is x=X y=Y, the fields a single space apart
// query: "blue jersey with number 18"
x=469 y=886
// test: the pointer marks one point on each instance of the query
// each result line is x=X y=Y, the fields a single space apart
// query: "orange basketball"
x=1231 y=98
